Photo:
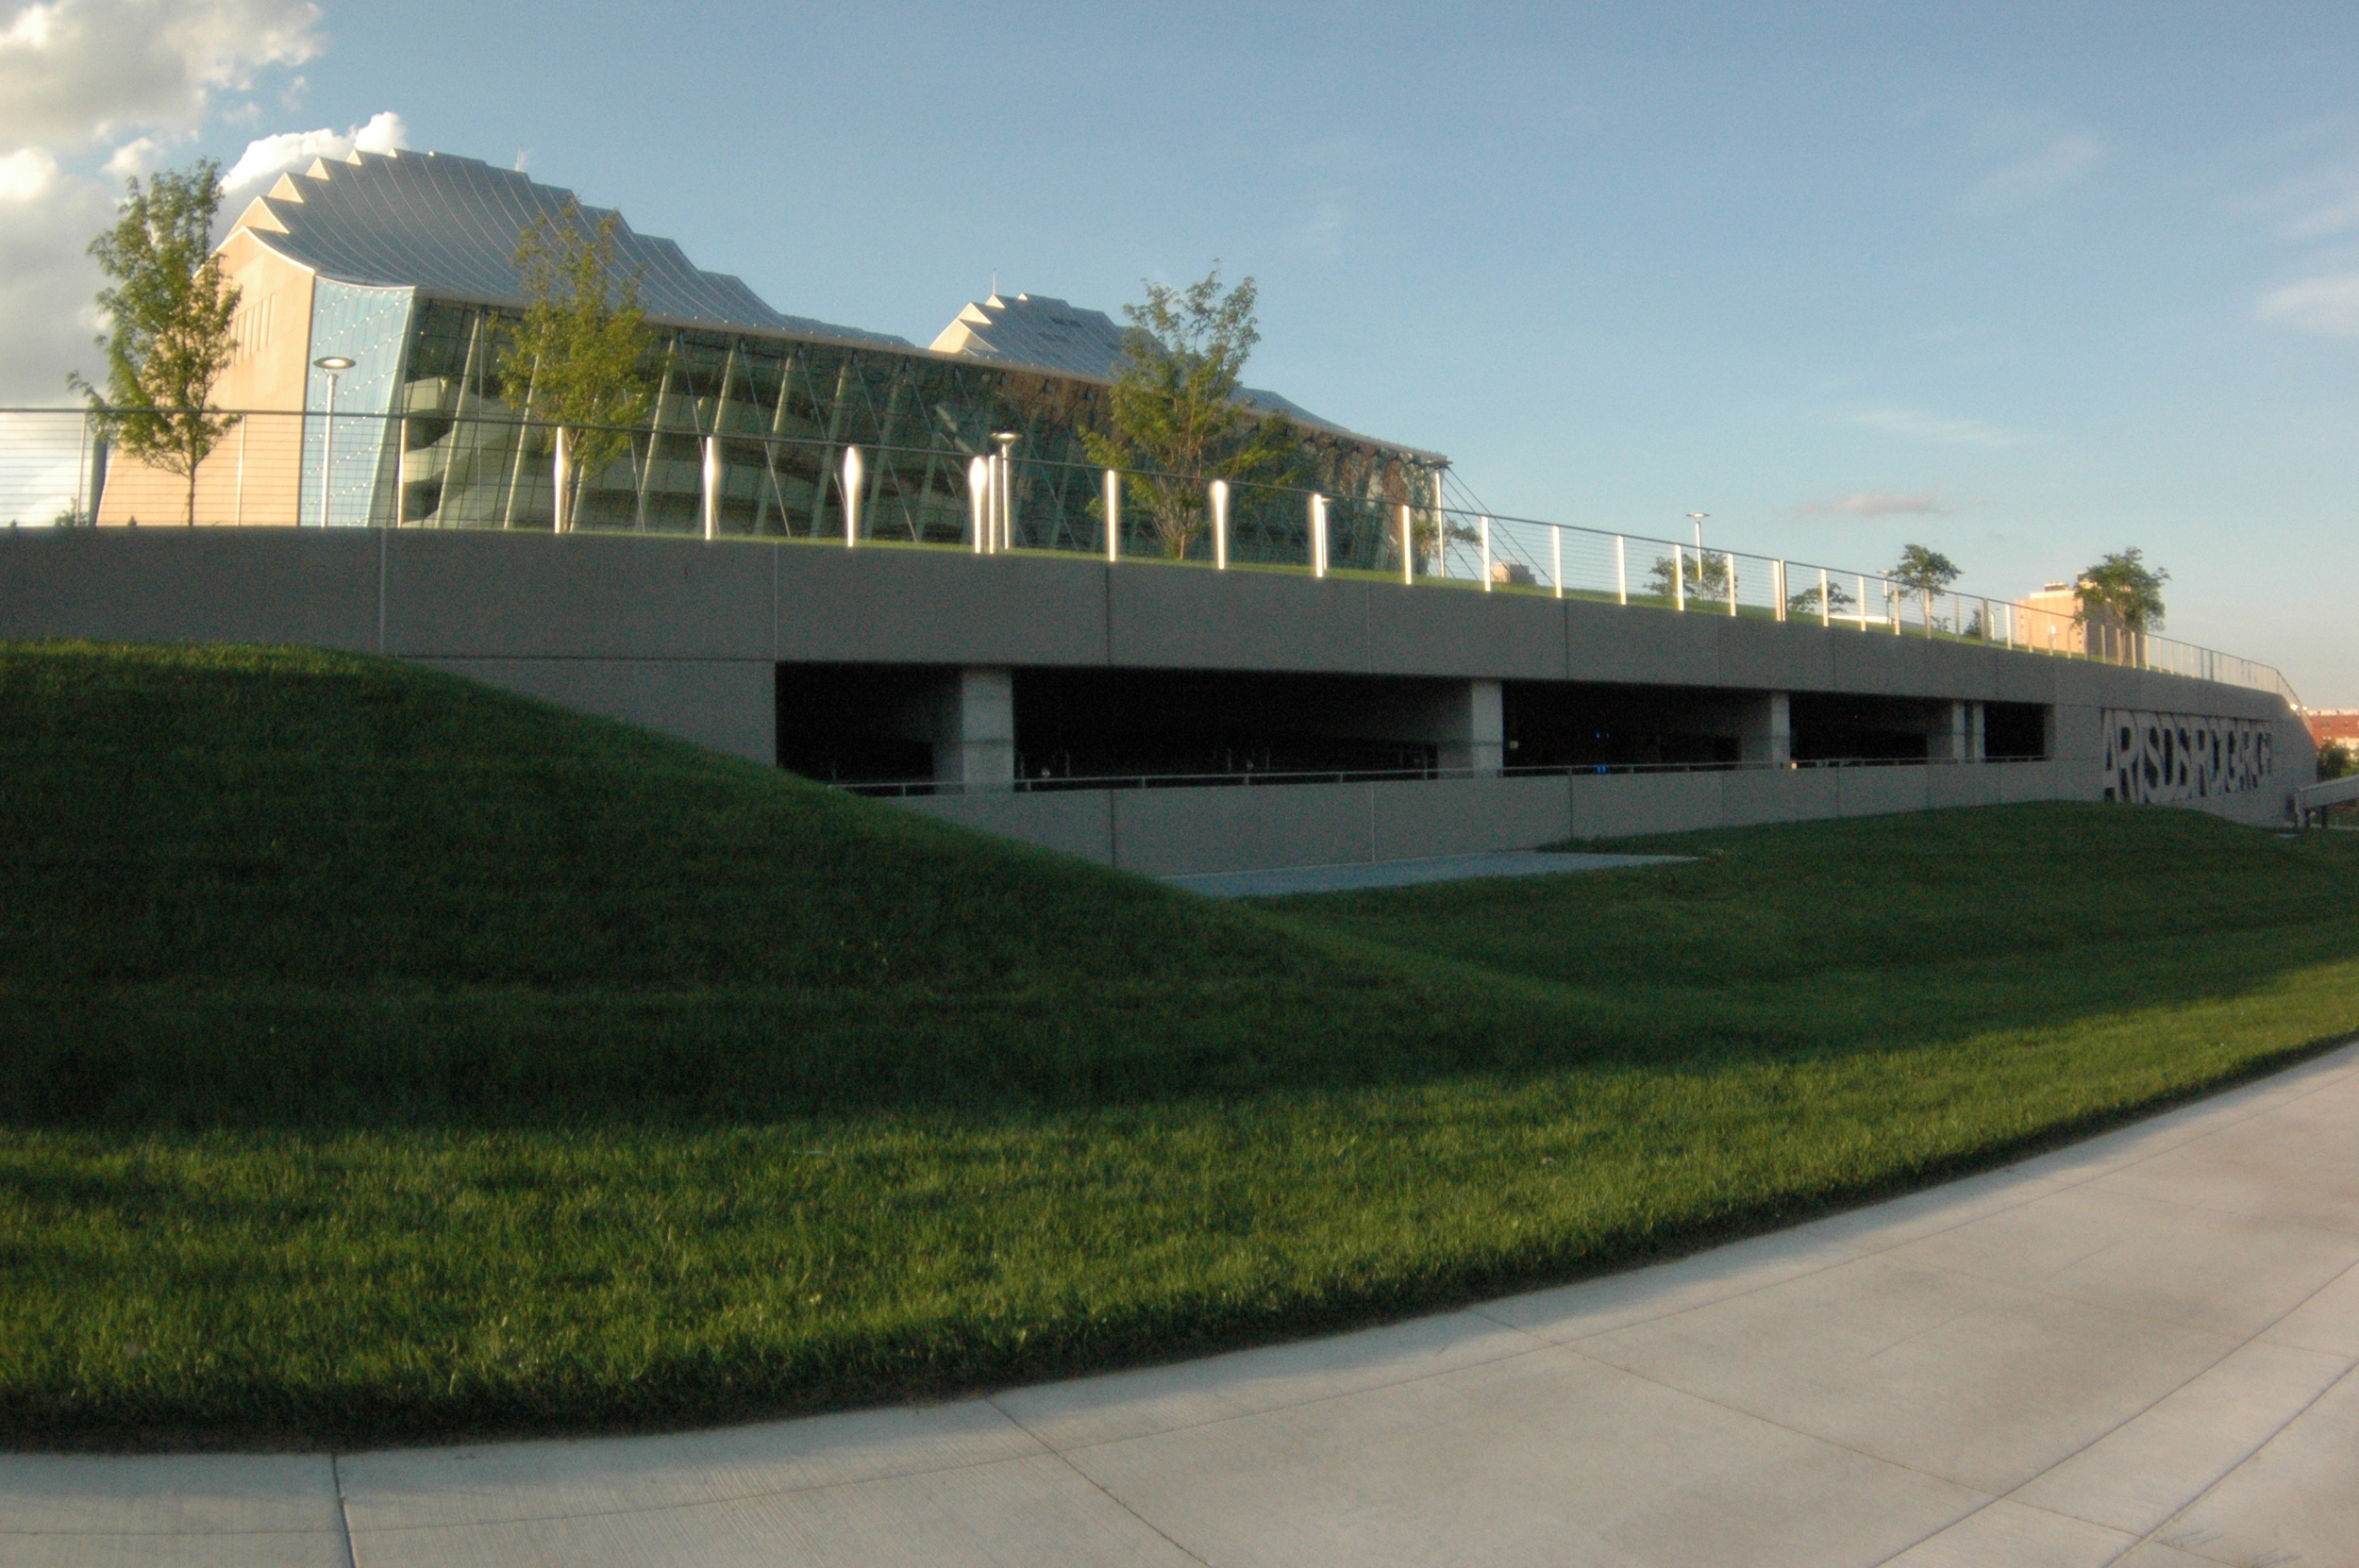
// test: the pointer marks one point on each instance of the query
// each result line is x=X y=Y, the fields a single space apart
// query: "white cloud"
x=140 y=74
x=2067 y=160
x=1915 y=425
x=75 y=70
x=2327 y=305
x=136 y=158
x=1873 y=503
x=266 y=157
x=46 y=283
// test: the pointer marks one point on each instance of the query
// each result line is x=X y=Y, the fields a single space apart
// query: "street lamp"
x=335 y=364
x=1697 y=519
x=1004 y=529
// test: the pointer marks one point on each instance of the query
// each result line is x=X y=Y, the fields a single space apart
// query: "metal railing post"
x=978 y=480
x=1621 y=570
x=1826 y=600
x=1408 y=549
x=1318 y=535
x=1777 y=590
x=1861 y=583
x=1556 y=560
x=1679 y=576
x=1486 y=555
x=1727 y=559
x=1113 y=514
x=1220 y=524
x=851 y=493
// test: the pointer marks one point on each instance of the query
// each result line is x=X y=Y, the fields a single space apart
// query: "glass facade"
x=354 y=462
x=784 y=408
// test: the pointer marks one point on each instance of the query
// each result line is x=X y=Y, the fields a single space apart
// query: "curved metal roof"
x=1043 y=331
x=449 y=225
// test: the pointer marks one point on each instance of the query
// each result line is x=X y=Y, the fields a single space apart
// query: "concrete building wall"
x=252 y=477
x=684 y=637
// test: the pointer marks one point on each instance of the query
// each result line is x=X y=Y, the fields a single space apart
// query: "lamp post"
x=1003 y=527
x=335 y=364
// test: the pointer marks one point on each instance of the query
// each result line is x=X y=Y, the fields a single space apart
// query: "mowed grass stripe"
x=524 y=1109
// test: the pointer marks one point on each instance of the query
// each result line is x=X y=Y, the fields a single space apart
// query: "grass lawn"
x=388 y=1058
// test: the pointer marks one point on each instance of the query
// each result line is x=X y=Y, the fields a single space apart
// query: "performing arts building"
x=895 y=568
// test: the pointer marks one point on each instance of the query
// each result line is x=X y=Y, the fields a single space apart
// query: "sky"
x=2027 y=283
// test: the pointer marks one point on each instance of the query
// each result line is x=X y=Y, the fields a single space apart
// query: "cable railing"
x=1049 y=781
x=482 y=469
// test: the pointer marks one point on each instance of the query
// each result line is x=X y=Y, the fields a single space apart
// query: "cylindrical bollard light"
x=1114 y=515
x=851 y=496
x=711 y=486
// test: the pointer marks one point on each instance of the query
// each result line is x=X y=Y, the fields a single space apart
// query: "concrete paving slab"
x=1404 y=874
x=2295 y=1501
x=231 y=1509
x=2137 y=1476
x=1548 y=1459
x=1979 y=1383
x=497 y=1482
x=2137 y=1350
x=1090 y=1411
x=2008 y=1533
x=2129 y=1251
x=1036 y=1511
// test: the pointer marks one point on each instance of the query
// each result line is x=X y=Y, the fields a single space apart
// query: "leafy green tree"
x=1924 y=570
x=2121 y=588
x=167 y=311
x=2335 y=761
x=1174 y=408
x=580 y=346
x=1805 y=604
x=1706 y=573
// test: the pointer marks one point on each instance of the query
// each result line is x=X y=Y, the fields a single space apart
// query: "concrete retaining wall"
x=683 y=636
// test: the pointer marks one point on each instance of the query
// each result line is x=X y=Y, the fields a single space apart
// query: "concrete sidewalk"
x=2139 y=1350
x=1353 y=877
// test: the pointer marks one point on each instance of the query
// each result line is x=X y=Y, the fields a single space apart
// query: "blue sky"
x=2027 y=283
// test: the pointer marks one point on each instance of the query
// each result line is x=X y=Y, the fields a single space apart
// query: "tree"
x=580 y=346
x=167 y=312
x=2121 y=588
x=2335 y=761
x=1705 y=572
x=1924 y=570
x=1174 y=406
x=1805 y=604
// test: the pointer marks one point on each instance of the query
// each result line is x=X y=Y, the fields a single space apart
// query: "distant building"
x=403 y=263
x=2054 y=620
x=2332 y=723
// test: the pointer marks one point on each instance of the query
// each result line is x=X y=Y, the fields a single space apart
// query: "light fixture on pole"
x=335 y=364
x=1003 y=527
x=1697 y=519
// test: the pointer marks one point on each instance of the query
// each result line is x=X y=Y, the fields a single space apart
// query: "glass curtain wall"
x=784 y=409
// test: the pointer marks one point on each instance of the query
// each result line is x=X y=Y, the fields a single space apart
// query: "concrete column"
x=1467 y=728
x=1953 y=732
x=1976 y=748
x=1765 y=730
x=975 y=729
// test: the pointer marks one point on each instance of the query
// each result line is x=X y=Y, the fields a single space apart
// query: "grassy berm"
x=382 y=1058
